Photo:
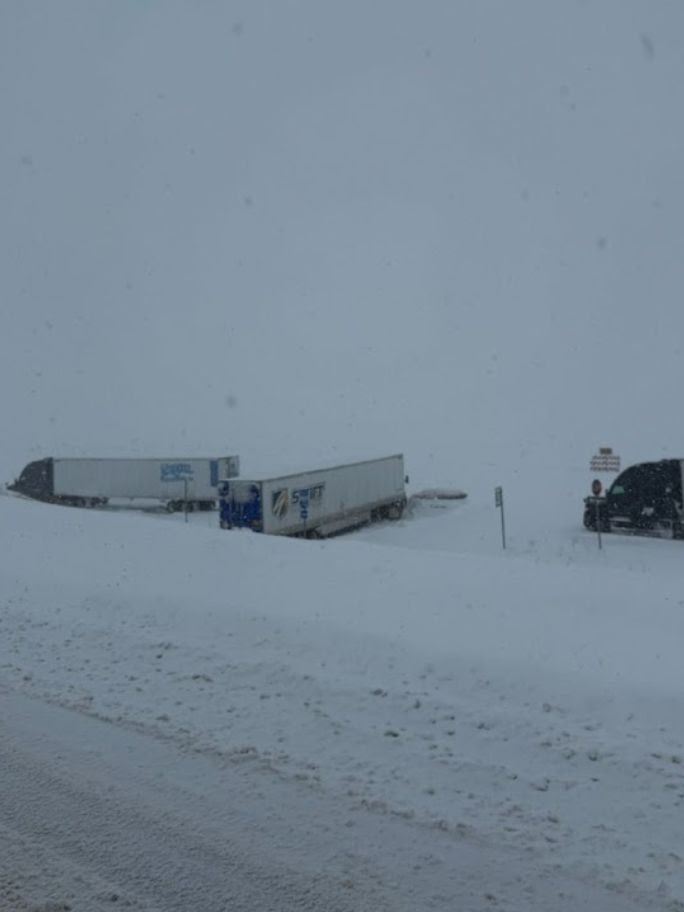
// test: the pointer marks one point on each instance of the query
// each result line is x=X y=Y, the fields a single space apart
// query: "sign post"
x=498 y=502
x=596 y=488
x=185 y=498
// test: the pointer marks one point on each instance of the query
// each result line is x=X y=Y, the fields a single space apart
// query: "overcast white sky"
x=310 y=230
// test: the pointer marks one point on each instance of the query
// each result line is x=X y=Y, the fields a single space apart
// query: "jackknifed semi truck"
x=316 y=503
x=175 y=482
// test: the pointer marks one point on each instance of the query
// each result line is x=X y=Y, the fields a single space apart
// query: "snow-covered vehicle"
x=645 y=499
x=316 y=503
x=94 y=482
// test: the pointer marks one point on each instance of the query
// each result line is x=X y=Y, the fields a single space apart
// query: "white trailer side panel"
x=294 y=503
x=160 y=479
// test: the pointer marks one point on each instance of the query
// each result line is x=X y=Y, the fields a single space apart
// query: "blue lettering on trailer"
x=213 y=472
x=304 y=496
x=176 y=471
x=315 y=492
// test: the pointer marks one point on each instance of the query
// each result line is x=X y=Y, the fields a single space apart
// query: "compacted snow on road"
x=195 y=718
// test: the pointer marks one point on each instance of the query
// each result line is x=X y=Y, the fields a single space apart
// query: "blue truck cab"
x=240 y=505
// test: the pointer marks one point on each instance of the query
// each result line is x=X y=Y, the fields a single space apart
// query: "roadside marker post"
x=596 y=488
x=498 y=502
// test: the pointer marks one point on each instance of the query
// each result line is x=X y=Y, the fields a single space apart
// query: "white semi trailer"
x=316 y=503
x=93 y=482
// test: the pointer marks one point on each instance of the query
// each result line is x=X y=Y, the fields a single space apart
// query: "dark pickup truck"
x=645 y=499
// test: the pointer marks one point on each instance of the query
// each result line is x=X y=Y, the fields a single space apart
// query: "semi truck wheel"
x=396 y=510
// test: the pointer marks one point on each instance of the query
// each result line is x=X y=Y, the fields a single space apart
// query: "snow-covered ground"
x=309 y=233
x=529 y=699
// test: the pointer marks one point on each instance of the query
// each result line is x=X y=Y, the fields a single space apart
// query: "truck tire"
x=396 y=510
